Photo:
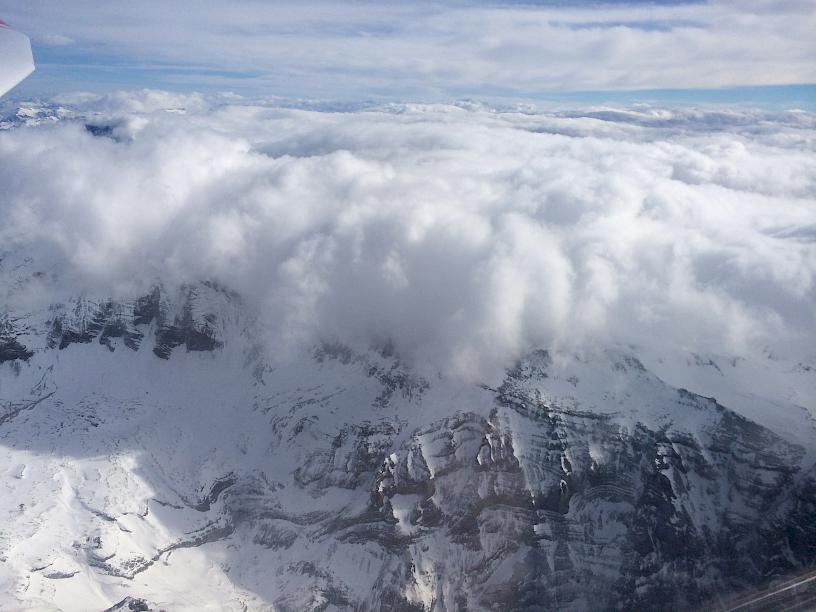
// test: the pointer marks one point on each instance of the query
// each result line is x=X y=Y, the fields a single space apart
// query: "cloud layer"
x=464 y=234
x=422 y=50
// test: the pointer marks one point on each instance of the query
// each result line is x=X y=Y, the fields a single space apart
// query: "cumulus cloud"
x=464 y=234
x=432 y=50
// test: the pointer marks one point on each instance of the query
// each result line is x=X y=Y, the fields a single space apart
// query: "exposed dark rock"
x=105 y=131
x=217 y=488
x=133 y=604
x=11 y=349
x=543 y=504
x=109 y=320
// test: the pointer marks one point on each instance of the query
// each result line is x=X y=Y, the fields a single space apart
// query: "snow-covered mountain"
x=155 y=457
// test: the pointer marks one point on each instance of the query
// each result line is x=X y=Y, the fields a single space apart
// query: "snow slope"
x=187 y=470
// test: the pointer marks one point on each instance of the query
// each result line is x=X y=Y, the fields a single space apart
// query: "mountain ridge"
x=157 y=456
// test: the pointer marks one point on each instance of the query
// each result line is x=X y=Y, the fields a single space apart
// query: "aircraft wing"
x=16 y=61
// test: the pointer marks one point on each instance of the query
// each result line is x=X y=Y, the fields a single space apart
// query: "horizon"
x=663 y=53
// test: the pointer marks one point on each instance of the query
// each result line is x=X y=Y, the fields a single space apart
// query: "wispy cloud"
x=56 y=40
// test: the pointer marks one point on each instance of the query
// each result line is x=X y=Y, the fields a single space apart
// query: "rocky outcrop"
x=347 y=482
x=189 y=318
x=11 y=349
x=536 y=506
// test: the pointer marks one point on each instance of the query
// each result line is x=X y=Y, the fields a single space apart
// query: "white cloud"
x=57 y=40
x=465 y=235
x=438 y=50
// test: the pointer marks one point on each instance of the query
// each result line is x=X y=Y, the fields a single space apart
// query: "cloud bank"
x=421 y=50
x=465 y=234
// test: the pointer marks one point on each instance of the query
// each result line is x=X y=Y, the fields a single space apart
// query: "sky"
x=753 y=52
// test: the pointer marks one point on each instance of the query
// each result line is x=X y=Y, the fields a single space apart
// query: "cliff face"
x=155 y=459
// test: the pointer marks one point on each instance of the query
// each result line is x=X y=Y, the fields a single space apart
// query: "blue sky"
x=757 y=52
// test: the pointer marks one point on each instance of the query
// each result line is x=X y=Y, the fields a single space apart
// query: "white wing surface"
x=16 y=61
